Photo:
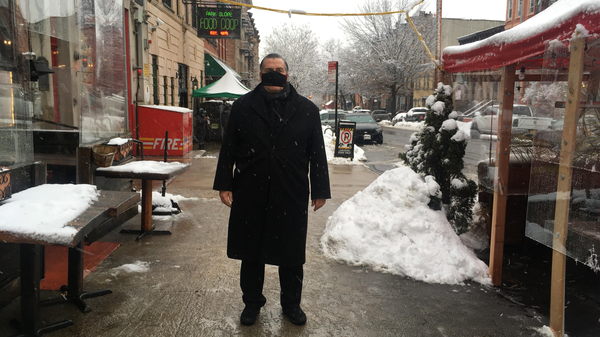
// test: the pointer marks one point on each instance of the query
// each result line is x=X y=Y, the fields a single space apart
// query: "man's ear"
x=287 y=77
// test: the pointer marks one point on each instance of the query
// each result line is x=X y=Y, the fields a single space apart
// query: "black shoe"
x=249 y=315
x=296 y=315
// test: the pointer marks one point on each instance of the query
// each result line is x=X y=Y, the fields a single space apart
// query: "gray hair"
x=274 y=56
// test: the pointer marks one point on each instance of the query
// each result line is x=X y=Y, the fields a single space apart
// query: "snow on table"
x=146 y=167
x=43 y=212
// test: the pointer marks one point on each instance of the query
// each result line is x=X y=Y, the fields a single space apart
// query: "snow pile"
x=42 y=212
x=409 y=125
x=359 y=154
x=165 y=204
x=137 y=267
x=389 y=227
x=545 y=331
x=118 y=141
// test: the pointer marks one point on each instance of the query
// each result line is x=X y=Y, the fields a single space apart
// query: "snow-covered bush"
x=437 y=150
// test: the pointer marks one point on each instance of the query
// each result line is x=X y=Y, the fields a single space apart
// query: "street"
x=383 y=157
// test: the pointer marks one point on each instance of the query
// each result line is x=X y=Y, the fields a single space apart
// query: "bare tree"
x=388 y=55
x=300 y=47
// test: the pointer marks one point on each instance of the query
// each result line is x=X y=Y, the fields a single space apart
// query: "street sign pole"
x=337 y=128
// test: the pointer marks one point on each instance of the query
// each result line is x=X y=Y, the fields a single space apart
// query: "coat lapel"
x=290 y=108
x=258 y=104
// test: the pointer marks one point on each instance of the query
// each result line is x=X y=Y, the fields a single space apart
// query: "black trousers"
x=252 y=277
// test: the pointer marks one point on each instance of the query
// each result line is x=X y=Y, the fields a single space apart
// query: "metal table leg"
x=74 y=288
x=147 y=228
x=31 y=264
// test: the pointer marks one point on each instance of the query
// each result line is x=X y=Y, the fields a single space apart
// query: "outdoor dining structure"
x=551 y=63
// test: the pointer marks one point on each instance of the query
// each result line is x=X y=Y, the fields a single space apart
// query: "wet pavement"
x=192 y=288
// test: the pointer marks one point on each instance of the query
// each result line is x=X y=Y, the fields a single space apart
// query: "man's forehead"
x=273 y=63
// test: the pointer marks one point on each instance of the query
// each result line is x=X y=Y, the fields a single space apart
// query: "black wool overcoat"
x=268 y=174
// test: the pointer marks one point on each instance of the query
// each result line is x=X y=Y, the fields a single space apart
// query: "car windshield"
x=360 y=118
x=521 y=110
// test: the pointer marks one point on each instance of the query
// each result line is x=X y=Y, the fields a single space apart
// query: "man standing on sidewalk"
x=272 y=139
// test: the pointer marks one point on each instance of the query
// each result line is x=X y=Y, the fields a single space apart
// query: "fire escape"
x=247 y=48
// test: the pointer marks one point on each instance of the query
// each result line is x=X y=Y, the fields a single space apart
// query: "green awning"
x=217 y=68
x=227 y=86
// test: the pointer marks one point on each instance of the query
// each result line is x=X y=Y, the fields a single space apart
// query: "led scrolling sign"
x=220 y=23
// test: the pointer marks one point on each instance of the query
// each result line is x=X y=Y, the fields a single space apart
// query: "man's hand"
x=226 y=197
x=318 y=203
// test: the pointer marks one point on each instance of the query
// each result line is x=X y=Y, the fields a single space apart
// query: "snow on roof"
x=169 y=108
x=560 y=12
x=146 y=166
x=558 y=21
x=42 y=212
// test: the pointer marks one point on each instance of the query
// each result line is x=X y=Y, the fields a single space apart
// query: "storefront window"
x=103 y=91
x=583 y=223
x=62 y=71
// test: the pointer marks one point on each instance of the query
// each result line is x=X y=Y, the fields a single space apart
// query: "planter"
x=103 y=155
x=5 y=185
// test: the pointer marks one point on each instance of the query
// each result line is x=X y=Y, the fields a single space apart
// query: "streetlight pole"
x=438 y=73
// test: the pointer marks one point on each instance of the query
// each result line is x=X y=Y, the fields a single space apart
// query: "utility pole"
x=438 y=54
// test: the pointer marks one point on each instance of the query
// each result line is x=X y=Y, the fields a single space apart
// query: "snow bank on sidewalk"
x=389 y=227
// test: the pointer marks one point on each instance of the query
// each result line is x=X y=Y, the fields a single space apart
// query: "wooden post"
x=146 y=205
x=563 y=189
x=501 y=181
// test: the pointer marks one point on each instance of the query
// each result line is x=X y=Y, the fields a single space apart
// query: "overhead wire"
x=299 y=12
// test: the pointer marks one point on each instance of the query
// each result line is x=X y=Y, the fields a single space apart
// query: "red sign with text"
x=154 y=120
x=331 y=68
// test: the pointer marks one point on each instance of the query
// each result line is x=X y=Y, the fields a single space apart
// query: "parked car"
x=416 y=114
x=359 y=109
x=399 y=117
x=380 y=115
x=522 y=121
x=367 y=130
x=328 y=117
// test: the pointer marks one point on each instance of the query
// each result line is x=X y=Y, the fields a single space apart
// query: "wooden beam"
x=501 y=181
x=563 y=189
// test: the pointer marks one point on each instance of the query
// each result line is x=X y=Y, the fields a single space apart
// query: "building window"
x=172 y=91
x=168 y=3
x=520 y=8
x=155 y=78
x=532 y=6
x=194 y=15
x=165 y=89
x=510 y=9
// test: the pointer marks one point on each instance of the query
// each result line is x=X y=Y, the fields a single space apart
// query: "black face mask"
x=274 y=78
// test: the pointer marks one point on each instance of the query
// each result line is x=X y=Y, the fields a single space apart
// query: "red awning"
x=527 y=41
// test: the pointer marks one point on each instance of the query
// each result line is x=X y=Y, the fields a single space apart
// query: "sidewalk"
x=192 y=288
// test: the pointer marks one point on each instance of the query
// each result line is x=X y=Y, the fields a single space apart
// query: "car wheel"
x=380 y=141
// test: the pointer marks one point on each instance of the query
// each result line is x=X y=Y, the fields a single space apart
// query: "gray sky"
x=328 y=27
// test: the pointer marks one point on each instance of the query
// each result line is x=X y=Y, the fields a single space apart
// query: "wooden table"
x=108 y=212
x=136 y=170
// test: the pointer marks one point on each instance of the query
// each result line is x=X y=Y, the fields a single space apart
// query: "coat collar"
x=260 y=107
